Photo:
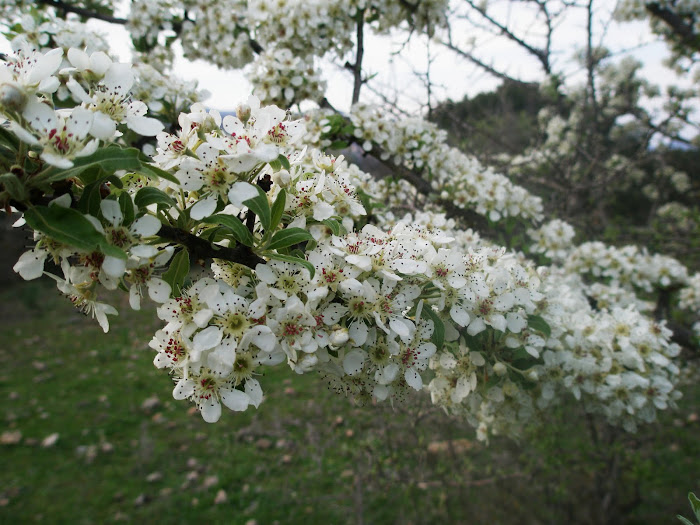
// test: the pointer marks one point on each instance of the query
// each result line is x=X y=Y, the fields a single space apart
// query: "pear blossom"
x=110 y=99
x=60 y=135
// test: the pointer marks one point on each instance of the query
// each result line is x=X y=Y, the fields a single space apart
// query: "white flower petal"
x=135 y=298
x=113 y=266
x=380 y=392
x=146 y=126
x=241 y=163
x=144 y=251
x=112 y=212
x=402 y=327
x=45 y=65
x=158 y=290
x=100 y=63
x=30 y=265
x=354 y=361
x=56 y=160
x=183 y=389
x=477 y=325
x=240 y=192
x=146 y=226
x=323 y=211
x=459 y=315
x=413 y=378
x=119 y=78
x=358 y=333
x=409 y=266
x=254 y=391
x=207 y=338
x=234 y=399
x=48 y=85
x=78 y=91
x=203 y=208
x=202 y=317
x=210 y=409
x=103 y=127
x=78 y=59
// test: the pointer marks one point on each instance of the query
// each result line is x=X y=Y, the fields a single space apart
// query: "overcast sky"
x=453 y=76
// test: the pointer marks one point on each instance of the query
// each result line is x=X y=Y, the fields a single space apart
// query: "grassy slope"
x=306 y=456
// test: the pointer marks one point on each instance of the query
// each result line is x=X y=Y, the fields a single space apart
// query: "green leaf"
x=288 y=237
x=127 y=207
x=474 y=342
x=520 y=355
x=115 y=181
x=335 y=226
x=154 y=172
x=109 y=249
x=536 y=322
x=64 y=225
x=149 y=195
x=70 y=227
x=695 y=504
x=260 y=207
x=684 y=521
x=240 y=232
x=288 y=258
x=109 y=160
x=178 y=271
x=8 y=139
x=14 y=187
x=89 y=202
x=284 y=161
x=365 y=200
x=438 y=337
x=278 y=209
x=339 y=144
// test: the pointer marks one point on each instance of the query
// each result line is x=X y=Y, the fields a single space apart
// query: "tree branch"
x=540 y=54
x=81 y=11
x=680 y=27
x=201 y=249
x=481 y=64
x=357 y=67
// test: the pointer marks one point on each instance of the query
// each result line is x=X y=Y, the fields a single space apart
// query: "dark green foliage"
x=501 y=121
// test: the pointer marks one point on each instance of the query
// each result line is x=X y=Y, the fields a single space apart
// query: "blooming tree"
x=263 y=246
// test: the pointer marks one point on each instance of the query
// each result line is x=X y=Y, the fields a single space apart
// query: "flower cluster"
x=690 y=295
x=210 y=155
x=553 y=239
x=282 y=79
x=63 y=135
x=86 y=270
x=366 y=318
x=417 y=144
x=308 y=270
x=304 y=27
x=619 y=359
x=44 y=32
x=629 y=266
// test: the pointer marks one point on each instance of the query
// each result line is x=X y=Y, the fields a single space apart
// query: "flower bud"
x=12 y=97
x=243 y=112
x=510 y=389
x=340 y=337
x=208 y=125
x=499 y=369
x=532 y=376
x=282 y=178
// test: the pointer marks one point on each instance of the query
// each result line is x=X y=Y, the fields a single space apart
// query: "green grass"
x=305 y=456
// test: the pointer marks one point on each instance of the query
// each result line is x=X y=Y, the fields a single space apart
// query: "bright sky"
x=453 y=77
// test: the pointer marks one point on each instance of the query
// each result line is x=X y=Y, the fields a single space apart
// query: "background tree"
x=410 y=280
